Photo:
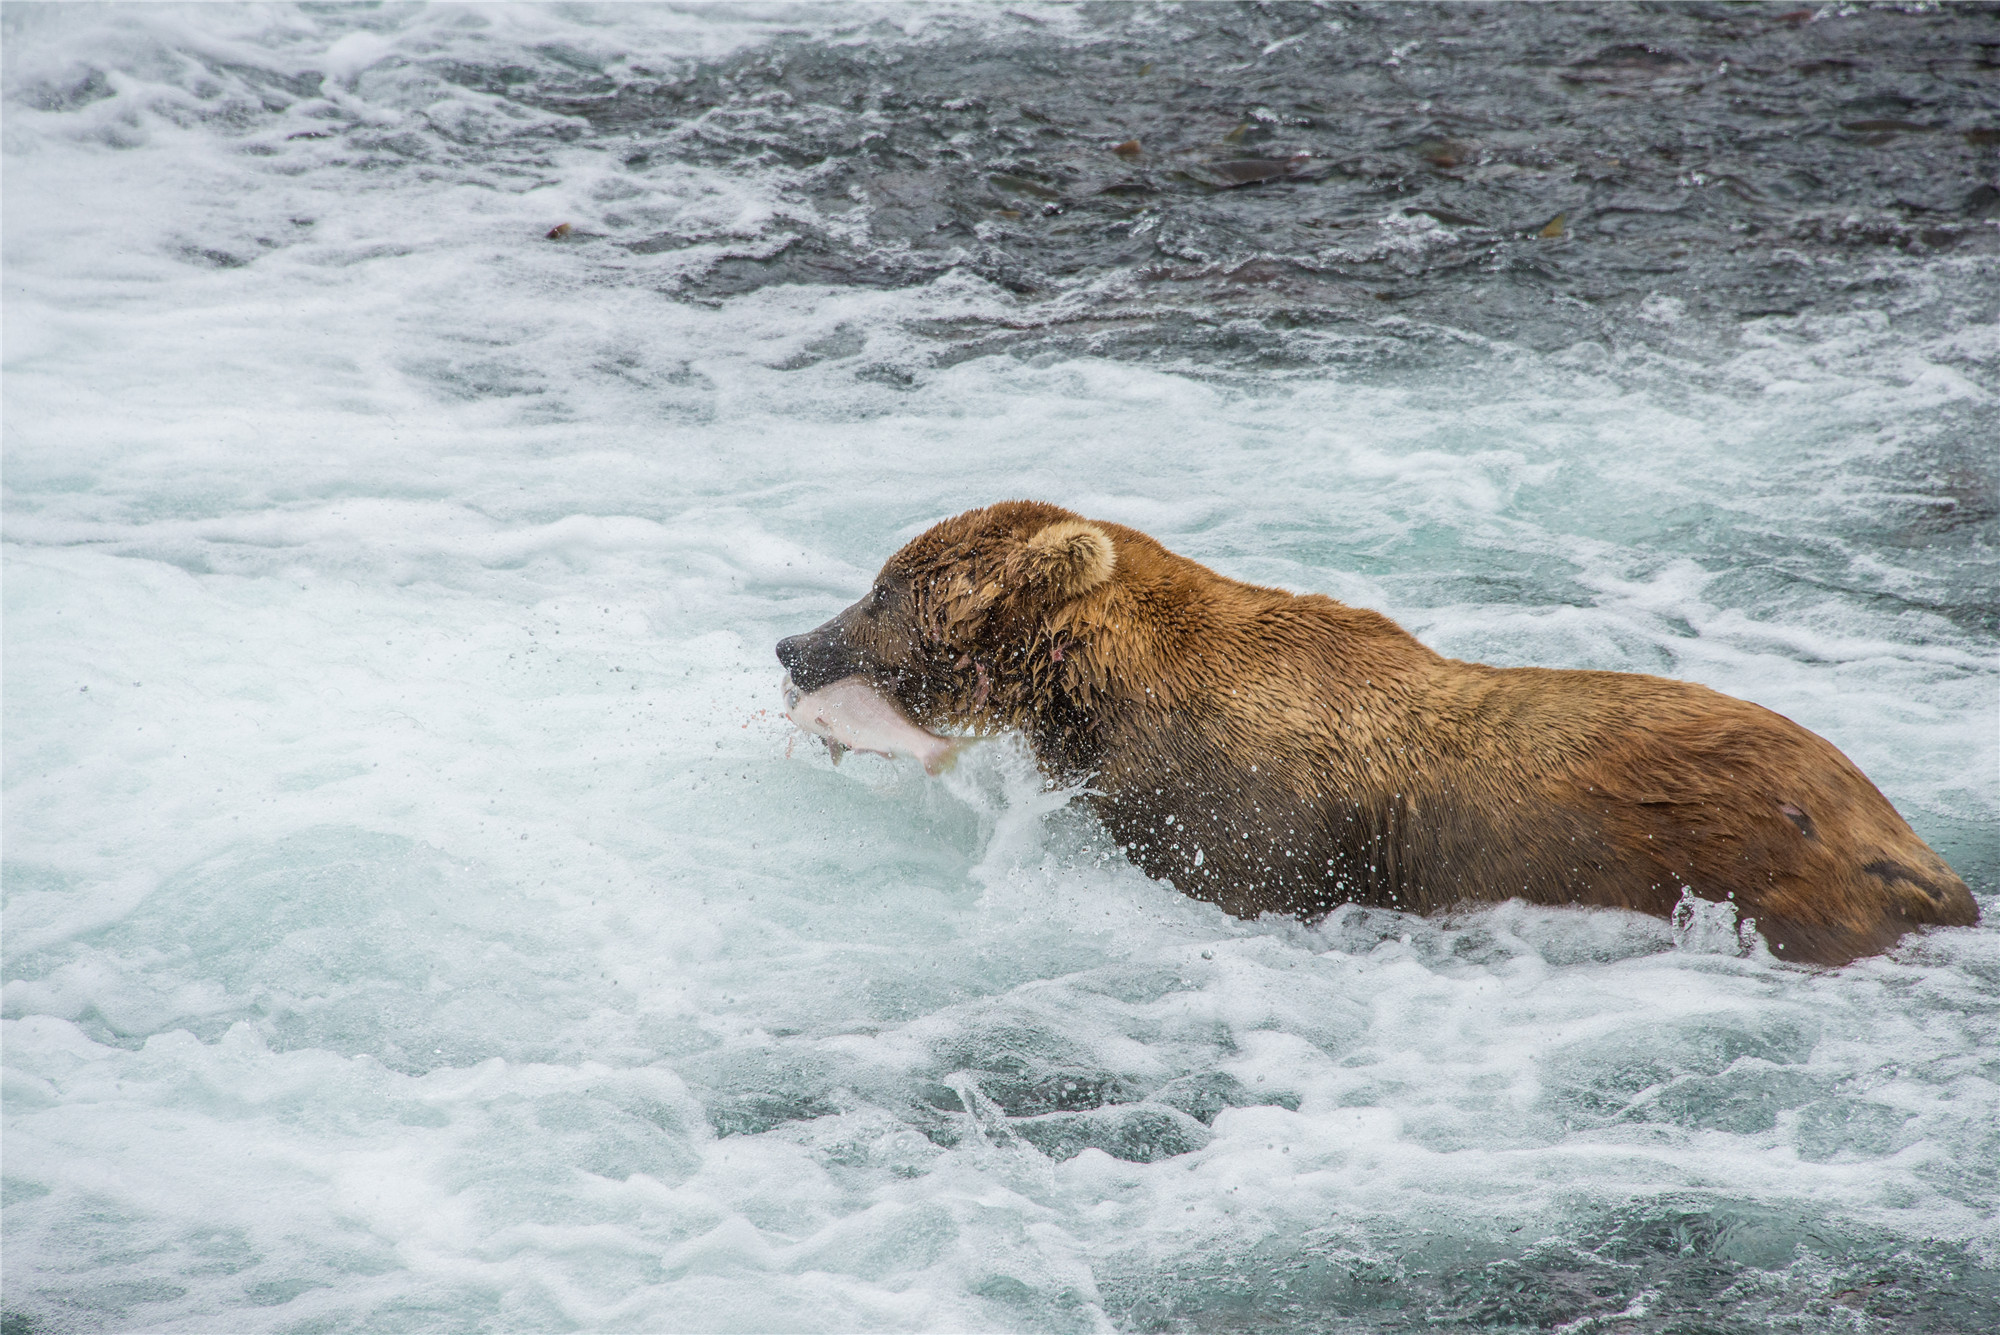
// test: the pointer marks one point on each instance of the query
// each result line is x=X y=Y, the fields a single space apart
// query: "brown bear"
x=1280 y=753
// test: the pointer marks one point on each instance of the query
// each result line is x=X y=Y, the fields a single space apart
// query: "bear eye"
x=878 y=598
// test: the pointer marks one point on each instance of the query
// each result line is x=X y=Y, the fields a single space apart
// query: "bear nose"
x=812 y=661
x=792 y=653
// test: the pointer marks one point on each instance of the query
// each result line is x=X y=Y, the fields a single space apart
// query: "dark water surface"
x=1526 y=172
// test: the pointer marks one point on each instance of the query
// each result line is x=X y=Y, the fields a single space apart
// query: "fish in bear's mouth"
x=850 y=715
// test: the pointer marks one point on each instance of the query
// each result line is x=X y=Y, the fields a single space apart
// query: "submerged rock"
x=1137 y=1133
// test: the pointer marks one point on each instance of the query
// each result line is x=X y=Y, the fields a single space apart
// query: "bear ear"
x=1069 y=558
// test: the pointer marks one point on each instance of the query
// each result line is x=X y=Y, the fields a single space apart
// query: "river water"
x=418 y=917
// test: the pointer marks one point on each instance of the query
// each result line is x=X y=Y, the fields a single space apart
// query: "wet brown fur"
x=1272 y=752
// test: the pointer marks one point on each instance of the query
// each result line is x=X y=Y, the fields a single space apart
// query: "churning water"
x=417 y=917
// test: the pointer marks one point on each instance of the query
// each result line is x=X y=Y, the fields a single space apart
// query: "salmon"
x=850 y=715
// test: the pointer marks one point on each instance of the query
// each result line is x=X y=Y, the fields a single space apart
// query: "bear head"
x=978 y=624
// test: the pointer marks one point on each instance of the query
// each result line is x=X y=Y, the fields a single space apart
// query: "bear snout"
x=814 y=659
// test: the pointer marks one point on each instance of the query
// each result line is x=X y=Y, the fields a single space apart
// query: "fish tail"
x=947 y=758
